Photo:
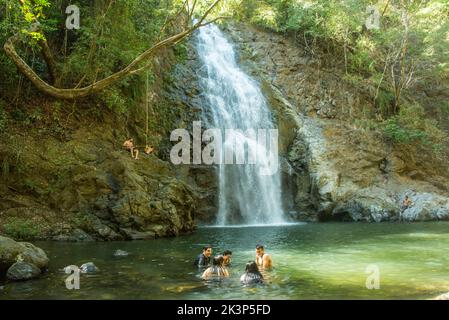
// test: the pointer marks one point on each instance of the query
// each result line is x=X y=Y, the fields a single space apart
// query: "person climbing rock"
x=406 y=203
x=129 y=145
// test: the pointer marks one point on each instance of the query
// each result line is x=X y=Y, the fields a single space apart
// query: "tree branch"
x=74 y=93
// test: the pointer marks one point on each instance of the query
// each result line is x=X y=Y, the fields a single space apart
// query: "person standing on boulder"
x=406 y=203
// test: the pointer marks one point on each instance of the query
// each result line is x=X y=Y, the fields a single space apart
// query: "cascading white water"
x=234 y=100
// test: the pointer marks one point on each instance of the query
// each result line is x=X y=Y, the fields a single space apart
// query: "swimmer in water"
x=252 y=274
x=227 y=255
x=263 y=260
x=217 y=270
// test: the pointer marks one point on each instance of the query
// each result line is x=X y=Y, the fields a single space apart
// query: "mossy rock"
x=12 y=251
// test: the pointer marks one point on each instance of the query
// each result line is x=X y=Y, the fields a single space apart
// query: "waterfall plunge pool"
x=311 y=261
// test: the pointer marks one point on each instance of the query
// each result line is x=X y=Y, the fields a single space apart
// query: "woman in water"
x=252 y=274
x=217 y=270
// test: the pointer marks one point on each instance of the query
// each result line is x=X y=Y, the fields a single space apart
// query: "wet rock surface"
x=21 y=260
x=332 y=169
x=22 y=271
x=88 y=267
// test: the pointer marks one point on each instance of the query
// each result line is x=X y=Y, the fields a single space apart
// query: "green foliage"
x=5 y=168
x=3 y=118
x=341 y=24
x=265 y=15
x=29 y=117
x=444 y=111
x=21 y=229
x=114 y=100
x=384 y=101
x=112 y=34
x=29 y=185
x=396 y=130
x=180 y=50
x=411 y=126
x=367 y=124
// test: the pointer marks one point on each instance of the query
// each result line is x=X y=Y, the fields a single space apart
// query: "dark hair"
x=207 y=247
x=251 y=266
x=259 y=246
x=227 y=252
x=218 y=260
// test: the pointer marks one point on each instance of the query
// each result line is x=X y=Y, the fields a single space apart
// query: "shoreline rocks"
x=21 y=260
x=88 y=267
x=22 y=271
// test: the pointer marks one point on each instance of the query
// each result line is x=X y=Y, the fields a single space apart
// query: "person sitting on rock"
x=406 y=203
x=129 y=145
x=252 y=274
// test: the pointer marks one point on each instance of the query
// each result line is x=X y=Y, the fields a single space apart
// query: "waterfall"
x=235 y=101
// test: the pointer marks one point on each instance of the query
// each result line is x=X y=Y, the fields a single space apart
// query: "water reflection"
x=311 y=261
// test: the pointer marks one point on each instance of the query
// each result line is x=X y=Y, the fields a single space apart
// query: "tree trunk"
x=74 y=93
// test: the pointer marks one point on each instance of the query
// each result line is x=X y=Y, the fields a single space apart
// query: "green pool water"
x=311 y=261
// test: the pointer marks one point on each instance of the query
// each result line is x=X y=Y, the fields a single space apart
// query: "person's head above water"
x=260 y=249
x=218 y=260
x=207 y=250
x=251 y=267
x=227 y=254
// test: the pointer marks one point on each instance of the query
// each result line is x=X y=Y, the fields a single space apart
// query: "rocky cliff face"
x=82 y=185
x=333 y=169
x=79 y=184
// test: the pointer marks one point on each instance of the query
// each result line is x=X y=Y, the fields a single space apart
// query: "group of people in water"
x=217 y=267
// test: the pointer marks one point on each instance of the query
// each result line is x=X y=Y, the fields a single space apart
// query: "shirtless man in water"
x=263 y=259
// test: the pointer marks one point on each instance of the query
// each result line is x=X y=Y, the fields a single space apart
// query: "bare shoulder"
x=206 y=273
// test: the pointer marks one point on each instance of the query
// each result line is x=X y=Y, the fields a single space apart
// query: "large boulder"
x=22 y=271
x=427 y=206
x=12 y=252
x=88 y=267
